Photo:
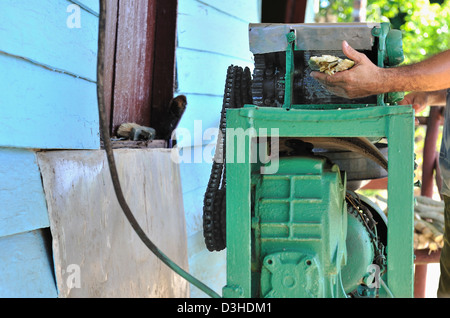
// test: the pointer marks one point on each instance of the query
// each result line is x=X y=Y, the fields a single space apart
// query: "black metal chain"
x=236 y=94
x=370 y=224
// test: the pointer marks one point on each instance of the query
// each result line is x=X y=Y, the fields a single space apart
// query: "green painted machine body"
x=292 y=226
x=299 y=249
x=298 y=211
x=389 y=54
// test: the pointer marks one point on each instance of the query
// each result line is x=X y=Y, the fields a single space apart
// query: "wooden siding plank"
x=202 y=112
x=204 y=73
x=90 y=5
x=45 y=109
x=247 y=11
x=39 y=32
x=26 y=266
x=23 y=205
x=195 y=178
x=231 y=40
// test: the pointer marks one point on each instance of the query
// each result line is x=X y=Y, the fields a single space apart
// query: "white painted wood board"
x=90 y=231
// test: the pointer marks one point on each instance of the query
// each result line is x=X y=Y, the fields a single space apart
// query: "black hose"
x=104 y=128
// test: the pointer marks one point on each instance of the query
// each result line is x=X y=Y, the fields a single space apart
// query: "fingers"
x=351 y=53
x=404 y=102
x=332 y=83
x=418 y=100
x=318 y=76
x=418 y=108
x=407 y=100
x=325 y=79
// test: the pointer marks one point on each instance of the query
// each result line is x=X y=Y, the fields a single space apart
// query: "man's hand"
x=363 y=79
x=419 y=100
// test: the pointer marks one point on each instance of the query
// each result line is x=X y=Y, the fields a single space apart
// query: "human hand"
x=363 y=79
x=418 y=100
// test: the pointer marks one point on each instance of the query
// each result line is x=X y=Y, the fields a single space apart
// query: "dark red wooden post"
x=295 y=11
x=429 y=166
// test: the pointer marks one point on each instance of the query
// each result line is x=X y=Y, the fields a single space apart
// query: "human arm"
x=365 y=78
x=420 y=100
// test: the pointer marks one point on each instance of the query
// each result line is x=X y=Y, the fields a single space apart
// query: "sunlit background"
x=424 y=23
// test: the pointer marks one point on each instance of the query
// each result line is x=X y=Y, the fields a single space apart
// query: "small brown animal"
x=133 y=131
x=172 y=117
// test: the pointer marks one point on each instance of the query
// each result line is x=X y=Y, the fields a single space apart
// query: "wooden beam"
x=295 y=11
x=112 y=15
x=164 y=60
x=134 y=62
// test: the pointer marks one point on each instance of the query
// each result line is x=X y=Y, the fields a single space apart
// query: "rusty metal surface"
x=425 y=256
x=358 y=145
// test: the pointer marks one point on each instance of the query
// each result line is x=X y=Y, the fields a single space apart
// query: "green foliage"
x=343 y=9
x=424 y=23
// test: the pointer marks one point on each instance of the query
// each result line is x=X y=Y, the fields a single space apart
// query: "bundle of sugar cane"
x=427 y=236
x=329 y=64
x=428 y=223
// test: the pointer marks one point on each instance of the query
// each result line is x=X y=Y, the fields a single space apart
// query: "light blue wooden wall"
x=25 y=267
x=23 y=206
x=49 y=71
x=48 y=101
x=211 y=35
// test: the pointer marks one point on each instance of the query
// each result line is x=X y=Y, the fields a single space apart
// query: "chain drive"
x=236 y=94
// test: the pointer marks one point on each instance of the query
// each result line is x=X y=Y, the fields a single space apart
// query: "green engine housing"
x=308 y=241
x=300 y=233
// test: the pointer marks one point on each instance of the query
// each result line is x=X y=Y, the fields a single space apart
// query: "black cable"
x=104 y=128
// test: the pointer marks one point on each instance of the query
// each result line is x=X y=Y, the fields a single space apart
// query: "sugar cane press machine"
x=283 y=192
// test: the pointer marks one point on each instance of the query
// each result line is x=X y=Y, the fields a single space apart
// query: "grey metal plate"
x=270 y=37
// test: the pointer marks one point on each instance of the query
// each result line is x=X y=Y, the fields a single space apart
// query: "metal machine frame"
x=396 y=123
x=393 y=122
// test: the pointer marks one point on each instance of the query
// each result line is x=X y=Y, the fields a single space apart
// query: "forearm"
x=432 y=74
x=438 y=98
